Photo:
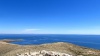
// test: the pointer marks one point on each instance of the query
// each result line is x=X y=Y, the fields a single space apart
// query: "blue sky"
x=50 y=16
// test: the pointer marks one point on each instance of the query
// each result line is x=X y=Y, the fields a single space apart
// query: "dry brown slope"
x=6 y=47
x=12 y=50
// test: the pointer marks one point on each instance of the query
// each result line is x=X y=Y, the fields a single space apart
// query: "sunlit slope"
x=7 y=49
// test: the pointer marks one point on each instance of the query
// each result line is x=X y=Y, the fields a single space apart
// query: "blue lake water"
x=91 y=41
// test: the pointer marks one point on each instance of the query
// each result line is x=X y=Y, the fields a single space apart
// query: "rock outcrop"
x=43 y=53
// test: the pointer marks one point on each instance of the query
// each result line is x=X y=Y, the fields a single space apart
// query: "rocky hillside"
x=44 y=53
x=7 y=49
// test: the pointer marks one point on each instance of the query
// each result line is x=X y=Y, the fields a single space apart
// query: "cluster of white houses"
x=44 y=53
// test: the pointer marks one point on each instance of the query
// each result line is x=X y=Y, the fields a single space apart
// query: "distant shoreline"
x=10 y=40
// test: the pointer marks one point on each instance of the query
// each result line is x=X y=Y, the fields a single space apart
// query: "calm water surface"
x=91 y=41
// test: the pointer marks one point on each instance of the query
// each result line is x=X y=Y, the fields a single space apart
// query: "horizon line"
x=54 y=34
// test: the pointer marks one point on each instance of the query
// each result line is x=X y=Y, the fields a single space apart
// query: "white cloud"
x=30 y=30
x=45 y=31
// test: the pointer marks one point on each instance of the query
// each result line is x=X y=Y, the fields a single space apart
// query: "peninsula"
x=8 y=49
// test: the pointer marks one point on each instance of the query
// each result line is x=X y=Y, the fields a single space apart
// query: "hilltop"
x=7 y=49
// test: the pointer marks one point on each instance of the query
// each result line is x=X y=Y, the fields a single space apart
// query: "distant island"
x=11 y=40
x=8 y=49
